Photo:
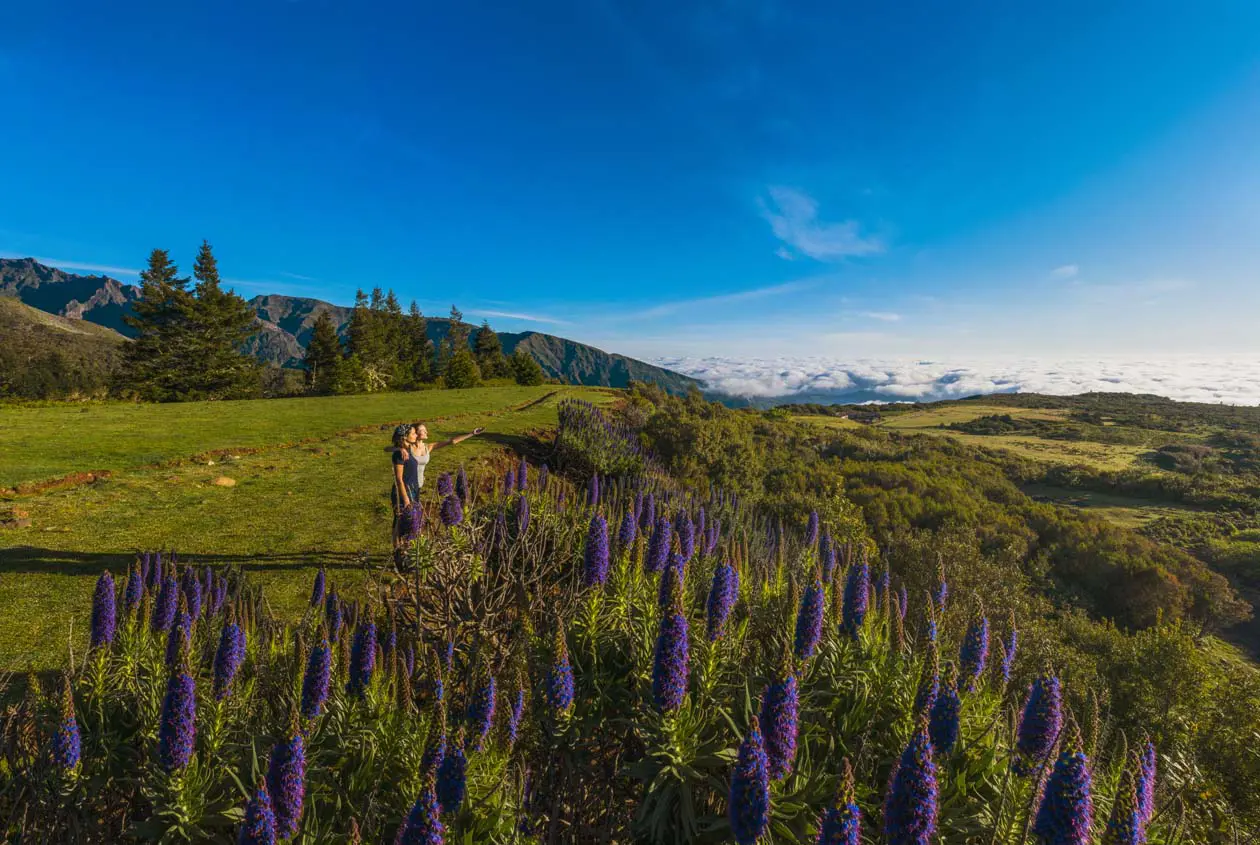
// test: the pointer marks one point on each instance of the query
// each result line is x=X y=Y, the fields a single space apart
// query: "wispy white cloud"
x=514 y=315
x=298 y=276
x=1230 y=380
x=793 y=217
x=1067 y=271
x=886 y=316
x=667 y=308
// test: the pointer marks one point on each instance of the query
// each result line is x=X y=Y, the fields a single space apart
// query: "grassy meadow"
x=311 y=489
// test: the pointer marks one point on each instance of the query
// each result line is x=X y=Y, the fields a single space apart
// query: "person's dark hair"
x=400 y=435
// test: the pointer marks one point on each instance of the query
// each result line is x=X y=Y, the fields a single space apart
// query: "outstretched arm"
x=459 y=438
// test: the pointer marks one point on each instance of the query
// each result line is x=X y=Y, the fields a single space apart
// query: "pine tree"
x=525 y=369
x=461 y=370
x=489 y=352
x=217 y=365
x=323 y=356
x=154 y=364
x=369 y=342
x=419 y=349
x=458 y=331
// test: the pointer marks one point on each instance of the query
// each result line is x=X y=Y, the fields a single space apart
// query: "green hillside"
x=43 y=355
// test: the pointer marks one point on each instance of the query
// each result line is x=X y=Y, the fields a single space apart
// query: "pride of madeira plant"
x=714 y=673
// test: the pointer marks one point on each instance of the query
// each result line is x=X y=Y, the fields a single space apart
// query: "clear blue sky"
x=666 y=178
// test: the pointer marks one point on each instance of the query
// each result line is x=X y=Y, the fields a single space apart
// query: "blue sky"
x=735 y=178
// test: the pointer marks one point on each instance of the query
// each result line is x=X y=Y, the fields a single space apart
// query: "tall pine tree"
x=155 y=364
x=489 y=352
x=525 y=369
x=418 y=347
x=218 y=366
x=371 y=358
x=323 y=362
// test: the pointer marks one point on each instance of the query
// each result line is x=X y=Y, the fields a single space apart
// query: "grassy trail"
x=292 y=509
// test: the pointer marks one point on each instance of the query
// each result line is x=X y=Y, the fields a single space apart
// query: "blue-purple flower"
x=104 y=620
x=333 y=614
x=595 y=559
x=424 y=822
x=944 y=718
x=1008 y=652
x=974 y=653
x=841 y=823
x=1126 y=825
x=856 y=597
x=461 y=485
x=135 y=590
x=481 y=712
x=66 y=740
x=177 y=727
x=592 y=491
x=942 y=590
x=1067 y=805
x=686 y=535
x=286 y=781
x=672 y=657
x=558 y=687
x=1041 y=722
x=411 y=525
x=362 y=659
x=722 y=595
x=228 y=658
x=629 y=529
x=259 y=827
x=911 y=806
x=522 y=476
x=445 y=485
x=192 y=593
x=658 y=547
x=811 y=529
x=715 y=533
x=826 y=556
x=509 y=481
x=1146 y=782
x=542 y=477
x=749 y=804
x=165 y=605
x=318 y=588
x=809 y=620
x=452 y=776
x=522 y=515
x=780 y=720
x=515 y=712
x=451 y=512
x=647 y=516
x=316 y=680
x=179 y=637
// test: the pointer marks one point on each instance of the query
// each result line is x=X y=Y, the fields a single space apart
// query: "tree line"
x=385 y=348
x=191 y=343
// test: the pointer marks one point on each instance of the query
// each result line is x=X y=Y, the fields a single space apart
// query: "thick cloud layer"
x=1202 y=379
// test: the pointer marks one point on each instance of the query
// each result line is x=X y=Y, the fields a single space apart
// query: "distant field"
x=935 y=417
x=47 y=440
x=1128 y=511
x=291 y=510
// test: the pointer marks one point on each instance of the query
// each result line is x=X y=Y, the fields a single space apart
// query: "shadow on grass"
x=18 y=559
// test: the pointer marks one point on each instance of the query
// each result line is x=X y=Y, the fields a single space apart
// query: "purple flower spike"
x=461 y=485
x=178 y=638
x=177 y=730
x=595 y=560
x=1126 y=825
x=509 y=481
x=722 y=596
x=316 y=681
x=542 y=477
x=647 y=516
x=1067 y=806
x=911 y=806
x=826 y=556
x=942 y=591
x=228 y=659
x=841 y=824
x=192 y=594
x=1146 y=783
x=424 y=822
x=522 y=476
x=811 y=530
x=286 y=781
x=164 y=608
x=592 y=491
x=104 y=620
x=974 y=654
x=522 y=515
x=452 y=777
x=481 y=712
x=686 y=535
x=66 y=741
x=809 y=621
x=333 y=614
x=1040 y=724
x=135 y=590
x=943 y=722
x=671 y=660
x=658 y=548
x=749 y=803
x=780 y=719
x=628 y=531
x=259 y=827
x=452 y=512
x=514 y=716
x=558 y=689
x=412 y=523
x=715 y=534
x=362 y=659
x=856 y=597
x=318 y=590
x=445 y=485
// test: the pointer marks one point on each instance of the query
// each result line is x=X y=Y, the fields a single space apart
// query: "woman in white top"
x=410 y=457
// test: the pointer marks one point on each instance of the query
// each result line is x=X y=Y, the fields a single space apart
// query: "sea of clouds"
x=1233 y=381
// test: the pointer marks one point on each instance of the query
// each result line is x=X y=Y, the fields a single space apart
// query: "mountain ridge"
x=285 y=323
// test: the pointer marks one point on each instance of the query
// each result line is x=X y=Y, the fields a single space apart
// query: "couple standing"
x=410 y=456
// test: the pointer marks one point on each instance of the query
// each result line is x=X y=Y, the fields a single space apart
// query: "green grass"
x=47 y=440
x=293 y=508
x=1127 y=511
